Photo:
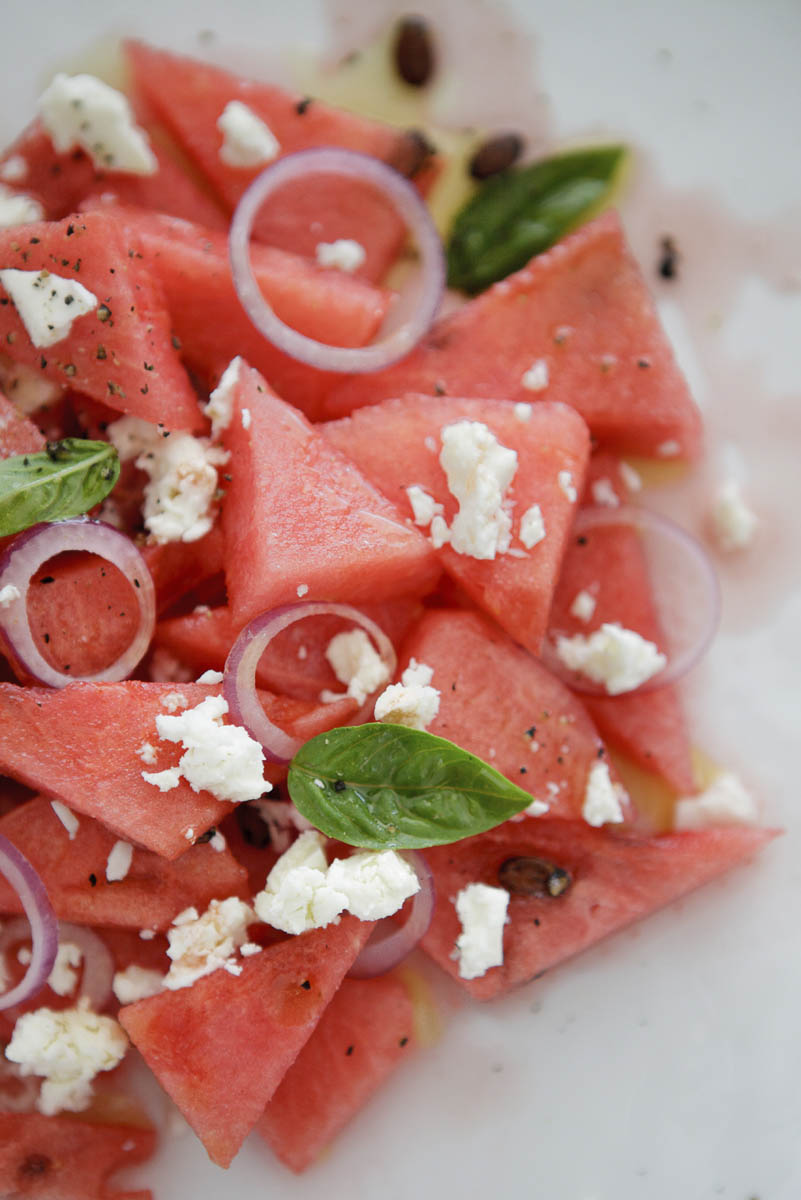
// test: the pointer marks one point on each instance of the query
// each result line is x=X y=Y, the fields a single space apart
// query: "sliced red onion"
x=97 y=962
x=239 y=683
x=23 y=558
x=389 y=942
x=43 y=928
x=685 y=590
x=410 y=318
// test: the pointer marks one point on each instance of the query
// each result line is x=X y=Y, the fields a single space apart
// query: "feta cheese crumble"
x=356 y=663
x=64 y=973
x=222 y=759
x=302 y=590
x=67 y=818
x=479 y=471
x=536 y=377
x=375 y=883
x=566 y=485
x=8 y=595
x=80 y=110
x=583 y=606
x=482 y=913
x=136 y=983
x=604 y=494
x=412 y=702
x=424 y=506
x=668 y=449
x=173 y=701
x=220 y=405
x=532 y=526
x=601 y=798
x=200 y=945
x=68 y=1049
x=523 y=411
x=119 y=860
x=14 y=169
x=47 y=304
x=247 y=140
x=734 y=524
x=211 y=677
x=18 y=209
x=631 y=478
x=344 y=254
x=724 y=802
x=619 y=659
x=246 y=418
x=537 y=808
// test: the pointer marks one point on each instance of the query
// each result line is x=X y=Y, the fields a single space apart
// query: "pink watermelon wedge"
x=300 y=520
x=583 y=308
x=397 y=443
x=221 y=1047
x=615 y=879
x=178 y=567
x=18 y=435
x=121 y=353
x=363 y=1035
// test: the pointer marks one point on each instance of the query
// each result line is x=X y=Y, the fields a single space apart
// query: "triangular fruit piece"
x=80 y=745
x=121 y=351
x=397 y=444
x=614 y=879
x=221 y=1047
x=178 y=567
x=190 y=97
x=363 y=1035
x=300 y=520
x=73 y=870
x=582 y=310
x=500 y=703
x=18 y=435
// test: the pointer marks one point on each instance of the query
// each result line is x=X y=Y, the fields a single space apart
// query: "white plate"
x=665 y=1063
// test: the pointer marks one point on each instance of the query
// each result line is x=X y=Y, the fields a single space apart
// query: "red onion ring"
x=41 y=919
x=97 y=962
x=35 y=546
x=384 y=950
x=239 y=681
x=686 y=592
x=419 y=310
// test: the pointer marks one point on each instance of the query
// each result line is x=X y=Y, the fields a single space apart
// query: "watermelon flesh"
x=18 y=435
x=363 y=1035
x=221 y=1047
x=397 y=444
x=584 y=309
x=178 y=567
x=300 y=521
x=617 y=878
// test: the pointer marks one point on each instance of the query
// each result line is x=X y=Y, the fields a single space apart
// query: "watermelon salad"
x=333 y=631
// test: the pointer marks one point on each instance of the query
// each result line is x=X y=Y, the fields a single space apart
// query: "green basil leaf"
x=524 y=210
x=65 y=480
x=380 y=786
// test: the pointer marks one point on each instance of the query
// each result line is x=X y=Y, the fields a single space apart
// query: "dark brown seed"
x=412 y=154
x=495 y=155
x=669 y=258
x=413 y=51
x=529 y=876
x=34 y=1166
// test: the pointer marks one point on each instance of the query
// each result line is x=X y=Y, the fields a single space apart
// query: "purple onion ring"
x=41 y=918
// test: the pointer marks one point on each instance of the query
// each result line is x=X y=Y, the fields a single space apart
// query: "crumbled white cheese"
x=583 y=606
x=724 y=802
x=248 y=949
x=211 y=677
x=8 y=595
x=412 y=702
x=631 y=478
x=14 y=169
x=136 y=983
x=219 y=407
x=302 y=590
x=734 y=524
x=173 y=701
x=119 y=860
x=67 y=818
x=523 y=411
x=356 y=663
x=147 y=935
x=18 y=209
x=164 y=780
x=217 y=841
x=482 y=913
x=344 y=254
x=430 y=443
x=297 y=896
x=537 y=808
x=47 y=304
x=222 y=759
x=376 y=883
x=202 y=944
x=80 y=110
x=189 y=833
x=479 y=471
x=440 y=533
x=64 y=973
x=601 y=798
x=603 y=493
x=532 y=526
x=424 y=506
x=67 y=1048
x=247 y=140
x=617 y=658
x=566 y=485
x=246 y=418
x=668 y=449
x=536 y=377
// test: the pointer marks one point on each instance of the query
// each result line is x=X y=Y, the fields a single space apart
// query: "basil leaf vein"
x=65 y=480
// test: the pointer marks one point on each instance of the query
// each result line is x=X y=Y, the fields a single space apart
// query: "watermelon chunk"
x=221 y=1047
x=583 y=307
x=18 y=435
x=150 y=895
x=616 y=879
x=79 y=745
x=298 y=515
x=69 y=1158
x=190 y=96
x=362 y=1037
x=500 y=703
x=397 y=443
x=178 y=567
x=120 y=353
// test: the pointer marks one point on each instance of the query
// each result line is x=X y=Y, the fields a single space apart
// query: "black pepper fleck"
x=93 y=879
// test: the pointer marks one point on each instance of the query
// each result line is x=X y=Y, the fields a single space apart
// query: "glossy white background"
x=666 y=1063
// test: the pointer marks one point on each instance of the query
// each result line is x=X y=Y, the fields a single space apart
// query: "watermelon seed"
x=349 y=1051
x=413 y=52
x=403 y=1041
x=644 y=363
x=34 y=1165
x=302 y=105
x=306 y=985
x=530 y=876
x=93 y=879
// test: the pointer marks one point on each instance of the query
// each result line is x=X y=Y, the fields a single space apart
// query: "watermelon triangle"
x=221 y=1047
x=298 y=515
x=584 y=309
x=616 y=879
x=363 y=1035
x=397 y=443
